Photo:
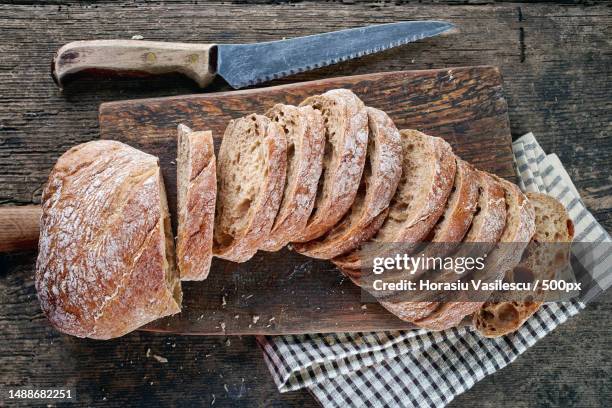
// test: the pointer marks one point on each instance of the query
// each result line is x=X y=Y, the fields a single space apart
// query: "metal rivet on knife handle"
x=135 y=57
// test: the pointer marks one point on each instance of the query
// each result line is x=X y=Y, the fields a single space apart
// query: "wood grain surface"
x=287 y=293
x=556 y=61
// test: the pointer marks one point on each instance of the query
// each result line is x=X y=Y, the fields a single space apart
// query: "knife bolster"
x=135 y=58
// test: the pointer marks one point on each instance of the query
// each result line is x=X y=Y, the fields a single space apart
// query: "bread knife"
x=241 y=65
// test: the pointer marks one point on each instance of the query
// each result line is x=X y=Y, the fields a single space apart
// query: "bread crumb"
x=223 y=302
x=148 y=353
x=255 y=319
x=223 y=326
x=237 y=317
x=364 y=307
x=228 y=342
x=272 y=319
x=137 y=37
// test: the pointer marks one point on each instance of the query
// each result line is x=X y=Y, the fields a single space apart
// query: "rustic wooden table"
x=557 y=65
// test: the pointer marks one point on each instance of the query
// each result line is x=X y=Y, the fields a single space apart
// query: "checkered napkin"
x=417 y=368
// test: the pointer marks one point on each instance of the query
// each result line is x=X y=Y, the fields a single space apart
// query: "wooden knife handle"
x=19 y=227
x=135 y=58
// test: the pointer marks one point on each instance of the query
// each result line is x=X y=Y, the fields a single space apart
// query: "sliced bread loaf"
x=552 y=224
x=305 y=134
x=196 y=182
x=428 y=171
x=251 y=173
x=379 y=182
x=346 y=138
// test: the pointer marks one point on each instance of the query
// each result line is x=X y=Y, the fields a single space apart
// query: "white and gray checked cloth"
x=417 y=368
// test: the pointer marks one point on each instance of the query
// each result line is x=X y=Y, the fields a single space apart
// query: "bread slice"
x=196 y=182
x=487 y=228
x=251 y=173
x=552 y=224
x=448 y=232
x=305 y=134
x=346 y=138
x=379 y=182
x=428 y=171
x=106 y=255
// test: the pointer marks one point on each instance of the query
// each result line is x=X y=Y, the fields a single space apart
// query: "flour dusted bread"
x=428 y=171
x=303 y=128
x=251 y=171
x=346 y=137
x=106 y=256
x=379 y=182
x=196 y=195
x=552 y=225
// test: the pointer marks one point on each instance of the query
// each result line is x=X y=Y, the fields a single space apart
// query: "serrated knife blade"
x=244 y=65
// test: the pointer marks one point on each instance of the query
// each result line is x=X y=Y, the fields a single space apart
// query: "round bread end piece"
x=552 y=224
x=106 y=256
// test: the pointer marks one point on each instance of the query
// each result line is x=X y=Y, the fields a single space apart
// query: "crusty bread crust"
x=240 y=227
x=197 y=194
x=496 y=319
x=412 y=214
x=346 y=124
x=305 y=134
x=487 y=228
x=106 y=256
x=378 y=185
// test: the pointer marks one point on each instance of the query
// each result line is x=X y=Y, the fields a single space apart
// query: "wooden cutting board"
x=284 y=292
